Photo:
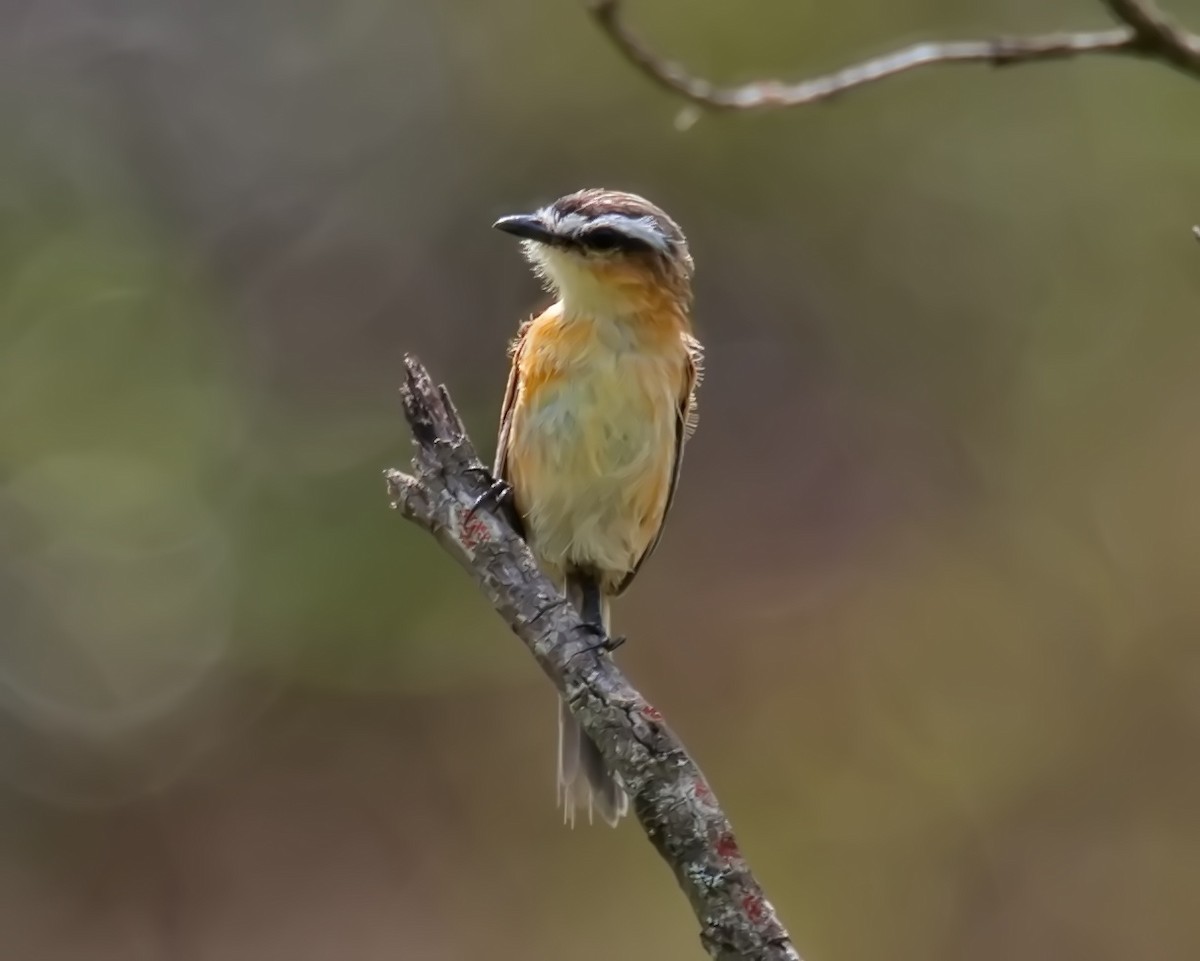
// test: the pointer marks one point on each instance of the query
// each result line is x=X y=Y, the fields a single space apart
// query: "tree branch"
x=1145 y=33
x=1161 y=39
x=671 y=799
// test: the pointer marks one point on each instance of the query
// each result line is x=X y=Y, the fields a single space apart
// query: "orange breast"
x=592 y=438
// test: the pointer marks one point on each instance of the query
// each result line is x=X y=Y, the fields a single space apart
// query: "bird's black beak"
x=525 y=226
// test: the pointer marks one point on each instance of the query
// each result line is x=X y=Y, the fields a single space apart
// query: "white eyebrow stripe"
x=644 y=229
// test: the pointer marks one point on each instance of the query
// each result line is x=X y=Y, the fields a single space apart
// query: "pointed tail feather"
x=583 y=777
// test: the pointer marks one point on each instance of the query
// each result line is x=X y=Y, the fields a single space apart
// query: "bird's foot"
x=498 y=493
x=607 y=644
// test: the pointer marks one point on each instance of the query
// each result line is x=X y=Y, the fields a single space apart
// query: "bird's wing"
x=687 y=417
x=500 y=470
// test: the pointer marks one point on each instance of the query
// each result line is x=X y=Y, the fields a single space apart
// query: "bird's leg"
x=593 y=615
x=592 y=610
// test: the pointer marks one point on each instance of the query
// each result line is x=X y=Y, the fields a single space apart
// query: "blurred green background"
x=926 y=610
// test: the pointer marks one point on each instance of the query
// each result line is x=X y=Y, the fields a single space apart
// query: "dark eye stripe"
x=609 y=238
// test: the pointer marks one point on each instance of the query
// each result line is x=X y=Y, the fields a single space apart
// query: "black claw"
x=606 y=644
x=498 y=493
x=615 y=642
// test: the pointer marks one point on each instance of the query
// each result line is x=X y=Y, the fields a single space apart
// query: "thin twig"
x=1145 y=33
x=671 y=798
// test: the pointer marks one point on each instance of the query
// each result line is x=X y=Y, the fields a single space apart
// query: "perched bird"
x=599 y=404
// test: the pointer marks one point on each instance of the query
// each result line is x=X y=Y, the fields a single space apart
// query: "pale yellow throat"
x=584 y=290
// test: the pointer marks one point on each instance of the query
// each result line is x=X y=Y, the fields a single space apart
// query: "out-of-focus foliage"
x=927 y=608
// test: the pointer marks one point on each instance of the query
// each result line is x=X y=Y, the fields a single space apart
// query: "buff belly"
x=591 y=456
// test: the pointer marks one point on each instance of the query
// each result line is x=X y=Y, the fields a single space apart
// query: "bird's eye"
x=604 y=238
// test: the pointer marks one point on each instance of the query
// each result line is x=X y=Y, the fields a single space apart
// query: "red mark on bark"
x=727 y=847
x=701 y=788
x=753 y=905
x=651 y=713
x=473 y=531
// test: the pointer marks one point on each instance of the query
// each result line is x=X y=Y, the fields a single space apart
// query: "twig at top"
x=1145 y=33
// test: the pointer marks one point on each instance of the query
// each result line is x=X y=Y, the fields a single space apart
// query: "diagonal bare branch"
x=1160 y=38
x=671 y=798
x=1144 y=33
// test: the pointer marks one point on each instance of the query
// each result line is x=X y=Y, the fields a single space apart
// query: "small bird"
x=599 y=404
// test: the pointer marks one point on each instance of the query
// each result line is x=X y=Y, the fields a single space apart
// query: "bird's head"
x=605 y=252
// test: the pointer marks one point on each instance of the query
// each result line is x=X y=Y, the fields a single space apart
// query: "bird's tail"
x=583 y=777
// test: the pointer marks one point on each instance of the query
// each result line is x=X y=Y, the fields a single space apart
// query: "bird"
x=599 y=405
